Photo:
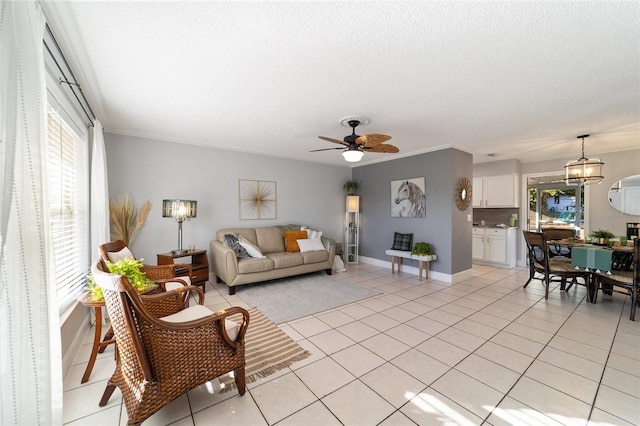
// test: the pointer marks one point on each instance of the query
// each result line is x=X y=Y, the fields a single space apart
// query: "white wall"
x=148 y=169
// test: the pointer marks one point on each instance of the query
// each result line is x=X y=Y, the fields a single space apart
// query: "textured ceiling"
x=518 y=79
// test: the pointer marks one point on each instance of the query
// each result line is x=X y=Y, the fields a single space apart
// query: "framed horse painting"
x=408 y=198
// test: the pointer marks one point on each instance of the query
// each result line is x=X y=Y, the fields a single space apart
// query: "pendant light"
x=583 y=171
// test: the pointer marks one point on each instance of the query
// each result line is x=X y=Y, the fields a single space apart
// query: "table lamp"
x=180 y=210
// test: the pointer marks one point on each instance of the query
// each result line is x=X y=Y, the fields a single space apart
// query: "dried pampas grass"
x=126 y=221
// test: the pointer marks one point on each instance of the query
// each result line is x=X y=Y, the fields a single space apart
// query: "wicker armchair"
x=160 y=359
x=551 y=269
x=164 y=275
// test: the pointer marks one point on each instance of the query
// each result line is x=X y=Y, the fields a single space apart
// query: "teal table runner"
x=591 y=257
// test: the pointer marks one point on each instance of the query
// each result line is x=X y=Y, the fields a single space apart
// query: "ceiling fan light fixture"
x=584 y=171
x=352 y=155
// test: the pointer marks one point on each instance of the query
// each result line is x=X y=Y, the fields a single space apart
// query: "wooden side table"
x=199 y=265
x=98 y=346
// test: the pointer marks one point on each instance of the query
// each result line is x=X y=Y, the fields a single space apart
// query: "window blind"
x=68 y=189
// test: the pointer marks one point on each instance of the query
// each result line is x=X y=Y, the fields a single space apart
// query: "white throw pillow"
x=252 y=249
x=310 y=244
x=116 y=256
x=311 y=233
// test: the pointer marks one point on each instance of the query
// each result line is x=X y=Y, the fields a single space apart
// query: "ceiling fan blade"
x=324 y=149
x=324 y=138
x=372 y=140
x=382 y=148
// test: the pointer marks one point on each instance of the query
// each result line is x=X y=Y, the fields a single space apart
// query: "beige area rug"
x=267 y=350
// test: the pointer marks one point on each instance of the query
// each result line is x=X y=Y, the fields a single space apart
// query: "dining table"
x=595 y=259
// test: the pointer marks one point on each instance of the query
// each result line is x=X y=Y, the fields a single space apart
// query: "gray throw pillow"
x=231 y=240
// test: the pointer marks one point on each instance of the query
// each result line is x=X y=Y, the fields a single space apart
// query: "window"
x=68 y=184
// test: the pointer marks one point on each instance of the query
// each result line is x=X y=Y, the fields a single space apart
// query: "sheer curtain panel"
x=100 y=233
x=30 y=361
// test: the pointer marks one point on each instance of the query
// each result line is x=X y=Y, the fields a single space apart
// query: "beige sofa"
x=277 y=263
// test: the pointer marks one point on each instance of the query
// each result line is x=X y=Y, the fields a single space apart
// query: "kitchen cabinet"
x=495 y=191
x=494 y=246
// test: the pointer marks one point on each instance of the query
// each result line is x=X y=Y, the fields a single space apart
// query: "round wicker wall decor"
x=463 y=194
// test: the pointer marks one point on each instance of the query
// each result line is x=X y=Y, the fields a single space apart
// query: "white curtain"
x=99 y=192
x=30 y=360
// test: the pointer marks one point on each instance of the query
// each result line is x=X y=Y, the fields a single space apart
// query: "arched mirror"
x=624 y=195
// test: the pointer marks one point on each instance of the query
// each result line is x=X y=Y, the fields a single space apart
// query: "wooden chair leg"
x=531 y=275
x=107 y=394
x=546 y=287
x=238 y=373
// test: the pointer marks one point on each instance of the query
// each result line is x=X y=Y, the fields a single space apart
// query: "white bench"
x=423 y=261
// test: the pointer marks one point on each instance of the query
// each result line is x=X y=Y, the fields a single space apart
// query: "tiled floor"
x=483 y=351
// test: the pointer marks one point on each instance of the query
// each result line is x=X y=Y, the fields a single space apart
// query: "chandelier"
x=583 y=171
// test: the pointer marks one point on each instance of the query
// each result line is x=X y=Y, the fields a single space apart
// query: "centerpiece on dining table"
x=601 y=237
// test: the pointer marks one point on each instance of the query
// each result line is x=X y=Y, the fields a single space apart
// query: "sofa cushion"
x=269 y=239
x=310 y=244
x=248 y=233
x=311 y=233
x=285 y=260
x=252 y=249
x=291 y=240
x=232 y=241
x=315 y=256
x=254 y=264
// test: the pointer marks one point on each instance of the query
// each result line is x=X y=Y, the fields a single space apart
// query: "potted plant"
x=422 y=249
x=351 y=187
x=130 y=268
x=601 y=236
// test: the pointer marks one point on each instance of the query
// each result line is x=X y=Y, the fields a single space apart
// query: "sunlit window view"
x=553 y=204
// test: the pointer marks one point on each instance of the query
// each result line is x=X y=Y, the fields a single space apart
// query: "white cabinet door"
x=500 y=191
x=496 y=248
x=495 y=191
x=476 y=192
x=477 y=246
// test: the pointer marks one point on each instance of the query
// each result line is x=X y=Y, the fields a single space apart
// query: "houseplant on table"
x=422 y=249
x=601 y=236
x=130 y=268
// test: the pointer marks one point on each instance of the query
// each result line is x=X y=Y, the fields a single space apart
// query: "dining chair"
x=629 y=280
x=160 y=358
x=556 y=269
x=558 y=234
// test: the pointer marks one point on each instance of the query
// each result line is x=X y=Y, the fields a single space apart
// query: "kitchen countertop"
x=494 y=226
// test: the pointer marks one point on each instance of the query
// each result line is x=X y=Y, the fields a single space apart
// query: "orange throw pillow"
x=290 y=238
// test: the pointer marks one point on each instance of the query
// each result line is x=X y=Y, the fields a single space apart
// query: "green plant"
x=351 y=187
x=130 y=268
x=602 y=233
x=422 y=249
x=96 y=291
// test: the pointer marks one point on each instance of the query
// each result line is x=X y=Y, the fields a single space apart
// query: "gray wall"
x=148 y=169
x=445 y=227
